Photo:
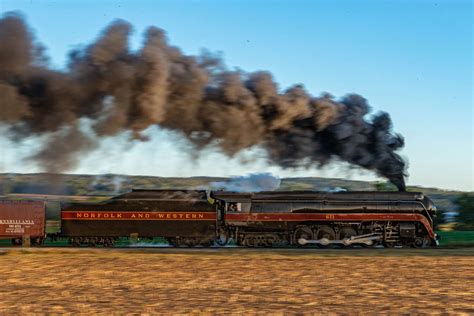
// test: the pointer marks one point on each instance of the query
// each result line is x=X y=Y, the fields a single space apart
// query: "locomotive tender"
x=264 y=219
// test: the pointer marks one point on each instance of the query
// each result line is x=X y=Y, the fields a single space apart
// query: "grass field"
x=456 y=238
x=236 y=281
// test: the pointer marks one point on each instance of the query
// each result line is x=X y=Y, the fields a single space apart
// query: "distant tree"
x=439 y=219
x=385 y=186
x=465 y=218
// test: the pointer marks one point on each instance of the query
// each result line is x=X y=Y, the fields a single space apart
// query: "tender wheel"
x=325 y=233
x=301 y=234
x=191 y=242
x=91 y=242
x=172 y=241
x=109 y=242
x=207 y=243
x=75 y=242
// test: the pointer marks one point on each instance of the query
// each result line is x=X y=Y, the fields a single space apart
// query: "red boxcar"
x=20 y=219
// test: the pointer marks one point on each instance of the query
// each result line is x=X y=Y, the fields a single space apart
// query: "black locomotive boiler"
x=264 y=219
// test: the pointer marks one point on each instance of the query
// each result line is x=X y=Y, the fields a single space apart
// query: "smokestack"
x=122 y=90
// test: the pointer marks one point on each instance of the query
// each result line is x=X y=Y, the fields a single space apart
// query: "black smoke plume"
x=123 y=90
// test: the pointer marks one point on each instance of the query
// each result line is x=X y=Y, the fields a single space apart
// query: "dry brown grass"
x=233 y=281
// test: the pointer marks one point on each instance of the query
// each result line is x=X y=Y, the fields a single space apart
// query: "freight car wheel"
x=17 y=241
x=38 y=241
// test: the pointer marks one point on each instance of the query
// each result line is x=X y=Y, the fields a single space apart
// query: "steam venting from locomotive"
x=119 y=90
x=254 y=182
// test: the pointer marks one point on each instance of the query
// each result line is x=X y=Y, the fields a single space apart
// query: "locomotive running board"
x=367 y=239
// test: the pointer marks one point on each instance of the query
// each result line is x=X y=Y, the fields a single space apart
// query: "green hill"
x=113 y=184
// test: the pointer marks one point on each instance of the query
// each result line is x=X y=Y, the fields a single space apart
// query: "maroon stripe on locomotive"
x=324 y=217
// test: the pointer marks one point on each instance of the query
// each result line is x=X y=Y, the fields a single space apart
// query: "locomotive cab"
x=237 y=207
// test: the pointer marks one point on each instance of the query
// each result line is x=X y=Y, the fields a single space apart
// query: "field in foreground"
x=236 y=280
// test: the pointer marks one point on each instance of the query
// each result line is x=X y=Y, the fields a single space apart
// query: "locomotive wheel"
x=389 y=244
x=271 y=241
x=249 y=241
x=420 y=242
x=327 y=233
x=303 y=232
x=347 y=232
x=223 y=238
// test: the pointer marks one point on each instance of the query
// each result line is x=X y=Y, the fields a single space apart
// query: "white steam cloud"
x=254 y=182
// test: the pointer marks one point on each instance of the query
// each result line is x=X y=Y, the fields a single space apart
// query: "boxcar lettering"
x=201 y=215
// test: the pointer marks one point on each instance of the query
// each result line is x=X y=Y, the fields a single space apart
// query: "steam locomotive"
x=264 y=219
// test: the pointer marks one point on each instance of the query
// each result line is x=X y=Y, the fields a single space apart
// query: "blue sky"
x=412 y=59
